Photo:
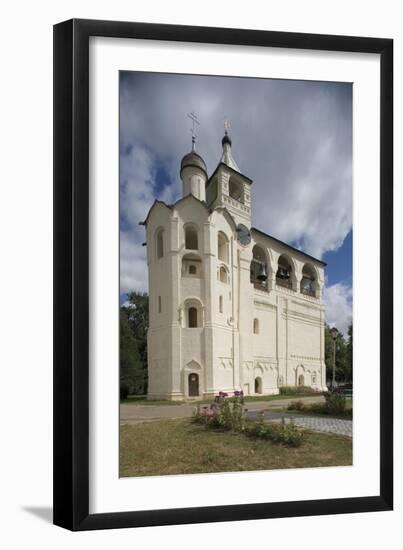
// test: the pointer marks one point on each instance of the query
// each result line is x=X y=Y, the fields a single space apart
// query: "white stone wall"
x=223 y=350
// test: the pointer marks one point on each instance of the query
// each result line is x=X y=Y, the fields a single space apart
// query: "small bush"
x=335 y=402
x=317 y=408
x=228 y=413
x=296 y=406
x=225 y=413
x=287 y=434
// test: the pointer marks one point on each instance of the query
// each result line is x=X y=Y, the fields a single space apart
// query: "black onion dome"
x=193 y=159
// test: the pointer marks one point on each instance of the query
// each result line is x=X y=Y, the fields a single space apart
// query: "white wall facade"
x=239 y=335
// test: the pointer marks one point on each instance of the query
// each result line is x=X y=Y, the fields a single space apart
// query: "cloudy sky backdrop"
x=292 y=138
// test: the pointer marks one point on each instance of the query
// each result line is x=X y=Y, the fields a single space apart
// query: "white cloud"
x=338 y=302
x=293 y=138
x=137 y=194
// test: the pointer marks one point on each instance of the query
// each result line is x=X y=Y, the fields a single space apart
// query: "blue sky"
x=292 y=138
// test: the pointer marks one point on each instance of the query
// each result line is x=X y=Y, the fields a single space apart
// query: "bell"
x=262 y=275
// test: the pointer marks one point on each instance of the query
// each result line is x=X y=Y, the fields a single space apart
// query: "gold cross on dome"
x=195 y=120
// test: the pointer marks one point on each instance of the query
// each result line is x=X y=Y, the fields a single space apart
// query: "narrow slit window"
x=160 y=244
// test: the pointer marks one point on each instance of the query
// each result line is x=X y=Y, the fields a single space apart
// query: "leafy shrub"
x=228 y=413
x=225 y=413
x=332 y=406
x=297 y=390
x=286 y=433
x=335 y=402
x=317 y=408
x=296 y=406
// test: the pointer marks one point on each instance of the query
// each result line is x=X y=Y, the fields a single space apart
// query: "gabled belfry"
x=231 y=308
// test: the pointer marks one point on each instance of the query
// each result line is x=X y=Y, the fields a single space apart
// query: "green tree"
x=343 y=371
x=136 y=310
x=131 y=369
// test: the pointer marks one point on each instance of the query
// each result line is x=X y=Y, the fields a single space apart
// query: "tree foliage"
x=133 y=344
x=343 y=370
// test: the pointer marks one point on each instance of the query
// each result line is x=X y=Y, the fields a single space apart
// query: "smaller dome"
x=193 y=159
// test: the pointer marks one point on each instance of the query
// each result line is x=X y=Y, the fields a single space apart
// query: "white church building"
x=230 y=307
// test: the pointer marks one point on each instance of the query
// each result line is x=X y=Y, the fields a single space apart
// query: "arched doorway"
x=301 y=380
x=258 y=385
x=193 y=385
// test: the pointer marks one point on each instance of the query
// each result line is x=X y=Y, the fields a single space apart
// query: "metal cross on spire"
x=194 y=120
x=226 y=125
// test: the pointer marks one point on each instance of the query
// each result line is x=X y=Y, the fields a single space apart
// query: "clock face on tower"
x=243 y=234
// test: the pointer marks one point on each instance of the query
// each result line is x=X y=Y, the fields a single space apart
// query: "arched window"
x=301 y=380
x=235 y=190
x=223 y=275
x=223 y=247
x=255 y=326
x=284 y=272
x=193 y=313
x=308 y=281
x=314 y=379
x=160 y=243
x=192 y=317
x=191 y=238
x=258 y=268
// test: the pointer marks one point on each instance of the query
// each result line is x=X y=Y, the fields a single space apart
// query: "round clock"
x=243 y=234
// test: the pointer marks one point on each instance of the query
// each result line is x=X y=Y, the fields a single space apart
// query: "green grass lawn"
x=179 y=447
x=142 y=400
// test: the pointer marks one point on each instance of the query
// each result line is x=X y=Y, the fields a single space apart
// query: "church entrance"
x=193 y=385
x=258 y=385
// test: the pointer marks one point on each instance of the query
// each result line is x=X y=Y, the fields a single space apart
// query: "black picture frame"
x=71 y=274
